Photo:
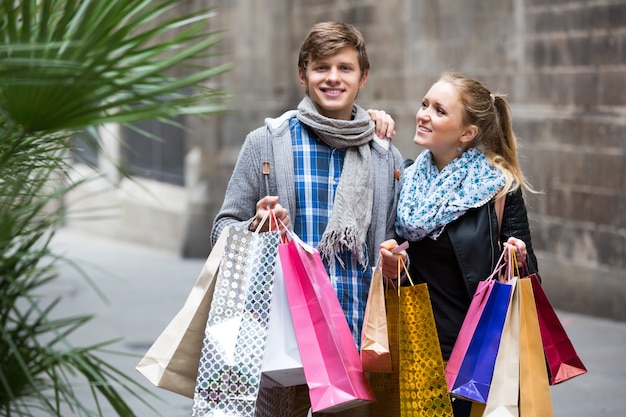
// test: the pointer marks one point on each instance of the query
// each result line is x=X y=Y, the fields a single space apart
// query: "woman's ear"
x=469 y=134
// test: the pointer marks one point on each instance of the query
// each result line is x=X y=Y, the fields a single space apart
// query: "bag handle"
x=269 y=216
x=512 y=267
x=401 y=266
x=406 y=271
x=499 y=266
x=523 y=265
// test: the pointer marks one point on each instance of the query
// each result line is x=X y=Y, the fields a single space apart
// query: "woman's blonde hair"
x=492 y=115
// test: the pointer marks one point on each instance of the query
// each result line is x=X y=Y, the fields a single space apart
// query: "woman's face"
x=440 y=127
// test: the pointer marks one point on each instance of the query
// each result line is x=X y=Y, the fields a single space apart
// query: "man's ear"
x=302 y=78
x=469 y=134
x=363 y=79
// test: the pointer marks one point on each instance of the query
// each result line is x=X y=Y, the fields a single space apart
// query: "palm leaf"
x=68 y=66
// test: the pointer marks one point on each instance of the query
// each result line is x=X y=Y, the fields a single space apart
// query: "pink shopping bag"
x=477 y=305
x=474 y=378
x=331 y=361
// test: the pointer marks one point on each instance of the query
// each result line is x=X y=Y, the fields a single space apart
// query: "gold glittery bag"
x=417 y=387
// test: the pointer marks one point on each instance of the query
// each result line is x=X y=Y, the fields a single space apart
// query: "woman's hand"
x=262 y=210
x=519 y=246
x=389 y=258
x=384 y=123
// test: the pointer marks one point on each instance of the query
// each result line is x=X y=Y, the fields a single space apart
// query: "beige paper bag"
x=172 y=361
x=504 y=391
x=535 y=399
x=375 y=353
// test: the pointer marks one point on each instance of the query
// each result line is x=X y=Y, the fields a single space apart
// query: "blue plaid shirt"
x=317 y=169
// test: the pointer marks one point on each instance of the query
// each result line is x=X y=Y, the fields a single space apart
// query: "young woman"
x=446 y=207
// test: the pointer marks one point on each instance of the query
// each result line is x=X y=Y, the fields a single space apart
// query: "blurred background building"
x=562 y=64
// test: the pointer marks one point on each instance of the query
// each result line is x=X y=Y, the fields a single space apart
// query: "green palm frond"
x=69 y=66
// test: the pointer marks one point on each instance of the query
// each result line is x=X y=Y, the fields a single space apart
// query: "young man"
x=333 y=172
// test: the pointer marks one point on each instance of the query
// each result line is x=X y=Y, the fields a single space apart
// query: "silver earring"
x=459 y=149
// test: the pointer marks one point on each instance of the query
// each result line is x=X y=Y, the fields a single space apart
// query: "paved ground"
x=146 y=287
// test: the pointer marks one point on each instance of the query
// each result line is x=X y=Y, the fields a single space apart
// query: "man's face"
x=333 y=83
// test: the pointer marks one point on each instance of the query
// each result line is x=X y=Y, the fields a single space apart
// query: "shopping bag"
x=477 y=409
x=332 y=366
x=172 y=361
x=476 y=371
x=276 y=400
x=233 y=348
x=475 y=310
x=375 y=353
x=417 y=385
x=423 y=387
x=386 y=386
x=503 y=397
x=563 y=361
x=535 y=399
x=282 y=362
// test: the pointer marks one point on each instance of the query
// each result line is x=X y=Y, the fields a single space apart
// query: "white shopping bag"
x=282 y=360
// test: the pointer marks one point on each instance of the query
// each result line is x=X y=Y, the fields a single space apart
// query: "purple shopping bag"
x=474 y=376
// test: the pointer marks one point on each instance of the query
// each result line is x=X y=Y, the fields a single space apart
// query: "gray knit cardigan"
x=272 y=143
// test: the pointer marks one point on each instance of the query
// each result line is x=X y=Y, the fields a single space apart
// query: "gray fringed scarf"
x=352 y=208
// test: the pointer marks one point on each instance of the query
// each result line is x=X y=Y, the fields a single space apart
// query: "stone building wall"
x=562 y=64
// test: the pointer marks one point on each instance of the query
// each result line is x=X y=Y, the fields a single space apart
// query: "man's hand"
x=266 y=222
x=385 y=124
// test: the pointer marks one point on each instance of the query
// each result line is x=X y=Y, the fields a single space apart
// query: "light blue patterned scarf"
x=430 y=199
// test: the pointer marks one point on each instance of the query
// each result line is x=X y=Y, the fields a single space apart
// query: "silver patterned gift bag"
x=229 y=372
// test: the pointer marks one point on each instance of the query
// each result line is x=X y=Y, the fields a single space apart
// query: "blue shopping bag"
x=476 y=371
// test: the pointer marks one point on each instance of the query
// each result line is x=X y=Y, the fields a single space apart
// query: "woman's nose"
x=422 y=114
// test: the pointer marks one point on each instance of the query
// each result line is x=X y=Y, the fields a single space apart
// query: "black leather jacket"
x=475 y=242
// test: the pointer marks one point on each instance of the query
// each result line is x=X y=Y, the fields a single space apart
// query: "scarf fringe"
x=353 y=201
x=344 y=239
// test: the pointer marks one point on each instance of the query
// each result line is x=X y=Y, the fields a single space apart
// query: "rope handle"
x=269 y=216
x=401 y=266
